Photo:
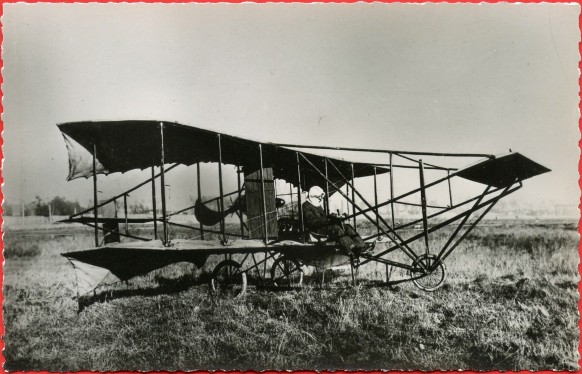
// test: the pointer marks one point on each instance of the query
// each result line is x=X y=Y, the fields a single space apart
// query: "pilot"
x=318 y=222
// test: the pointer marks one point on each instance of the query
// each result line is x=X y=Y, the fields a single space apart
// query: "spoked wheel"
x=286 y=272
x=431 y=278
x=228 y=279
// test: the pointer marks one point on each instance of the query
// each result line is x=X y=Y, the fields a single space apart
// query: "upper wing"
x=121 y=146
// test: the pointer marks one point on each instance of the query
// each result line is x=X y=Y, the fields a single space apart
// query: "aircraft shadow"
x=165 y=286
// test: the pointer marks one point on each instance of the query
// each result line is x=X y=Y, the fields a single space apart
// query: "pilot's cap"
x=316 y=191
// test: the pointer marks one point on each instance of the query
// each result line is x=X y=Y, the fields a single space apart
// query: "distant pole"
x=22 y=212
x=50 y=213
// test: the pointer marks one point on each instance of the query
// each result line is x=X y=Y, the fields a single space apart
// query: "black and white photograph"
x=290 y=186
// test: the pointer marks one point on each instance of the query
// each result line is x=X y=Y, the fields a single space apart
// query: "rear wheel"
x=429 y=272
x=228 y=279
x=286 y=272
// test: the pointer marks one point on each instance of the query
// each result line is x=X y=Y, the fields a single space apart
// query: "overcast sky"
x=435 y=77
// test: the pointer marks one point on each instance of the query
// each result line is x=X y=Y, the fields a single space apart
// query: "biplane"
x=269 y=238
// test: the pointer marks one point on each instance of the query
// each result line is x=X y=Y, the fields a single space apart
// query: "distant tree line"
x=59 y=206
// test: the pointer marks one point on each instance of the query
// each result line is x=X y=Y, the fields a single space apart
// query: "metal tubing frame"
x=465 y=219
x=244 y=225
x=118 y=233
x=125 y=212
x=412 y=223
x=256 y=267
x=353 y=195
x=376 y=200
x=95 y=203
x=426 y=167
x=239 y=190
x=391 y=191
x=420 y=205
x=404 y=243
x=154 y=204
x=407 y=250
x=369 y=258
x=299 y=196
x=221 y=200
x=326 y=188
x=423 y=203
x=443 y=255
x=291 y=196
x=163 y=185
x=450 y=189
x=443 y=224
x=355 y=206
x=269 y=254
x=121 y=194
x=411 y=192
x=347 y=201
x=416 y=161
x=198 y=229
x=204 y=202
x=386 y=151
x=264 y=202
x=199 y=193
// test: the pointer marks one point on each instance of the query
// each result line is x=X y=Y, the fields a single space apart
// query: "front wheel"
x=286 y=272
x=228 y=279
x=429 y=273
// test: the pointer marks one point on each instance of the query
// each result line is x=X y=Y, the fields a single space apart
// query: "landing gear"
x=228 y=279
x=286 y=272
x=429 y=273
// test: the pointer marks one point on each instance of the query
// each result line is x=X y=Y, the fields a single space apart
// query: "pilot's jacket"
x=316 y=221
x=314 y=216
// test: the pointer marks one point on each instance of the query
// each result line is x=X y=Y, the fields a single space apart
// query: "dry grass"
x=510 y=302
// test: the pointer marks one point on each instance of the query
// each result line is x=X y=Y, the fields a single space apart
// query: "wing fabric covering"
x=80 y=160
x=126 y=263
x=90 y=277
x=503 y=171
x=92 y=266
x=209 y=217
x=122 y=146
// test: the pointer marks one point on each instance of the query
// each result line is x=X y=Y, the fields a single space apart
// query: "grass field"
x=509 y=303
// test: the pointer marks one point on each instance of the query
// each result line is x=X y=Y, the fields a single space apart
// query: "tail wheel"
x=429 y=273
x=228 y=279
x=286 y=272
